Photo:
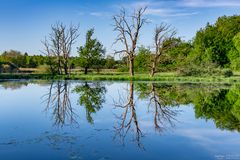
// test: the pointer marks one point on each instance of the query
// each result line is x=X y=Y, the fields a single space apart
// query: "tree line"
x=214 y=48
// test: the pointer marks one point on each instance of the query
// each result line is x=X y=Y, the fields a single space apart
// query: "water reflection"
x=162 y=103
x=91 y=96
x=13 y=85
x=128 y=119
x=164 y=107
x=222 y=106
x=58 y=102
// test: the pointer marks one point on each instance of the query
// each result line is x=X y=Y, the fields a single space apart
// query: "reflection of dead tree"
x=58 y=100
x=163 y=114
x=128 y=118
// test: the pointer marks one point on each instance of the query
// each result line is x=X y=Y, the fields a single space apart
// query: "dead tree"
x=58 y=47
x=51 y=53
x=163 y=36
x=129 y=28
x=68 y=39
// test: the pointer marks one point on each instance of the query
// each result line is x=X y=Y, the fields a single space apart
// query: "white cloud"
x=101 y=14
x=169 y=12
x=97 y=14
x=161 y=12
x=210 y=3
x=183 y=14
x=208 y=134
x=171 y=8
x=163 y=8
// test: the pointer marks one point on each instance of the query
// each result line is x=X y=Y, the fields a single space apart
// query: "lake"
x=77 y=120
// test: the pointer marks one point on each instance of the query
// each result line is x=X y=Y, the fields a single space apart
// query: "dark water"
x=117 y=120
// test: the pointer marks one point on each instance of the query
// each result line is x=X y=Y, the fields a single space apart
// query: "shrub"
x=123 y=69
x=43 y=69
x=227 y=73
x=204 y=70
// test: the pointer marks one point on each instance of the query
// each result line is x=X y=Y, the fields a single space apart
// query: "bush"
x=123 y=69
x=204 y=70
x=227 y=73
x=43 y=69
x=188 y=72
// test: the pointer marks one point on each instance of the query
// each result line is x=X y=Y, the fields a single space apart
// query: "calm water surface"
x=79 y=120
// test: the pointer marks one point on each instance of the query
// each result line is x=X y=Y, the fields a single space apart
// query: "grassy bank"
x=162 y=77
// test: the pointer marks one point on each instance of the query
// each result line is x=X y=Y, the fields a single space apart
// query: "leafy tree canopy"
x=91 y=53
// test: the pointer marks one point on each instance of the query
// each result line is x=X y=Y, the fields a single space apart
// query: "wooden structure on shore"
x=8 y=67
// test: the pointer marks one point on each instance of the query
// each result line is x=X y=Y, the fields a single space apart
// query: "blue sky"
x=24 y=23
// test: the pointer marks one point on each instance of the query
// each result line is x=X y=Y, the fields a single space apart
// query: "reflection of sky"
x=26 y=128
x=205 y=134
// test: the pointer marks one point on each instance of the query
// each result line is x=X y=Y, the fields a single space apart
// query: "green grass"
x=161 y=77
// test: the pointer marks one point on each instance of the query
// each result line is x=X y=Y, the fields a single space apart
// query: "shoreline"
x=121 y=77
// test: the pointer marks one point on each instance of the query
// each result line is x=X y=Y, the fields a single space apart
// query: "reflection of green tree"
x=222 y=106
x=13 y=84
x=234 y=99
x=217 y=103
x=91 y=96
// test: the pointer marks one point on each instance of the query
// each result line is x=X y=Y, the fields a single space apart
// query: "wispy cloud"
x=169 y=12
x=210 y=3
x=97 y=14
x=169 y=8
x=158 y=11
x=162 y=8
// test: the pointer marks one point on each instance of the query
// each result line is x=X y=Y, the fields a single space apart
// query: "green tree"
x=24 y=60
x=214 y=42
x=14 y=57
x=110 y=62
x=32 y=62
x=234 y=54
x=176 y=56
x=142 y=59
x=91 y=53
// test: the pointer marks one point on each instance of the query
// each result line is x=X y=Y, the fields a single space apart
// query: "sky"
x=24 y=23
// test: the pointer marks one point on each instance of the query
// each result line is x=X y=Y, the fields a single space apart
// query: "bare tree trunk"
x=66 y=68
x=98 y=70
x=59 y=65
x=85 y=70
x=153 y=68
x=131 y=66
x=131 y=90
